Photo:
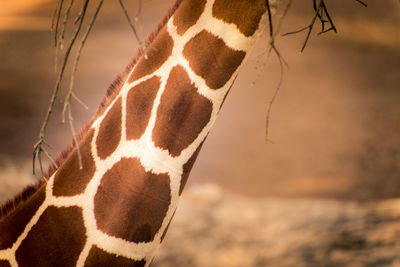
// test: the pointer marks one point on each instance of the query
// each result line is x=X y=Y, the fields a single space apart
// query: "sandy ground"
x=218 y=229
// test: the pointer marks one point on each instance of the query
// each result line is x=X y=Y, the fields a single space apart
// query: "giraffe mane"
x=13 y=203
x=112 y=91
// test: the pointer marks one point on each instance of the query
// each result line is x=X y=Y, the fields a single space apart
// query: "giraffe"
x=138 y=150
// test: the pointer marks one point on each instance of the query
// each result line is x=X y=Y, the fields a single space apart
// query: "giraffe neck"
x=137 y=154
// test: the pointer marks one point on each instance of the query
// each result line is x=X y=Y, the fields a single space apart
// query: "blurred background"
x=322 y=192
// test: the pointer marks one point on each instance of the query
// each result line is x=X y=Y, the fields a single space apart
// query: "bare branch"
x=67 y=102
x=310 y=26
x=76 y=61
x=49 y=157
x=273 y=34
x=362 y=3
x=285 y=11
x=54 y=28
x=59 y=44
x=296 y=31
x=139 y=11
x=325 y=10
x=321 y=12
x=38 y=147
x=57 y=22
x=71 y=126
x=36 y=155
x=281 y=61
x=271 y=30
x=66 y=17
x=131 y=25
x=53 y=19
x=267 y=120
x=79 y=101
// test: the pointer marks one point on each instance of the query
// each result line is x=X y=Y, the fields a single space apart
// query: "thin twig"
x=320 y=16
x=56 y=42
x=57 y=21
x=271 y=30
x=362 y=3
x=71 y=126
x=328 y=17
x=284 y=13
x=54 y=27
x=49 y=157
x=79 y=101
x=133 y=27
x=281 y=61
x=272 y=33
x=40 y=164
x=267 y=120
x=59 y=45
x=67 y=102
x=66 y=17
x=139 y=11
x=54 y=16
x=76 y=61
x=309 y=27
x=296 y=31
x=39 y=146
x=77 y=19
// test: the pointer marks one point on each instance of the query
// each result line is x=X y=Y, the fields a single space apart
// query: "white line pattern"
x=152 y=158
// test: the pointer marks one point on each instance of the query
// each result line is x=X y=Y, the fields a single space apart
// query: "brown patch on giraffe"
x=131 y=203
x=187 y=14
x=12 y=225
x=98 y=257
x=157 y=53
x=210 y=58
x=245 y=15
x=4 y=264
x=139 y=104
x=56 y=239
x=182 y=114
x=109 y=134
x=112 y=91
x=69 y=179
x=187 y=167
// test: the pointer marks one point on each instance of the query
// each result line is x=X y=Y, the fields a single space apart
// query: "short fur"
x=112 y=91
x=12 y=204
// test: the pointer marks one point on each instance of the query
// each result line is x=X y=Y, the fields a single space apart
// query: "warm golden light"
x=17 y=15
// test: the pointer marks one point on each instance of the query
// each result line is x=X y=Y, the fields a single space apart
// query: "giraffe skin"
x=138 y=153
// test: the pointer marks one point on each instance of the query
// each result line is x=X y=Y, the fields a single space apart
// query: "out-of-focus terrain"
x=214 y=228
x=322 y=192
